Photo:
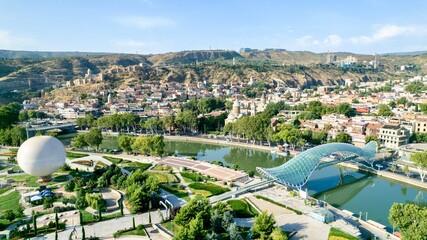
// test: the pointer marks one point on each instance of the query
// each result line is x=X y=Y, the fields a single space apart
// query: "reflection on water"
x=367 y=194
x=247 y=159
x=109 y=141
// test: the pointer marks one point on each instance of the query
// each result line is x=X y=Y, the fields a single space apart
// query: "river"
x=343 y=188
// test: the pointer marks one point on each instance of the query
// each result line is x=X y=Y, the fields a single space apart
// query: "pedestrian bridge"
x=31 y=131
x=296 y=172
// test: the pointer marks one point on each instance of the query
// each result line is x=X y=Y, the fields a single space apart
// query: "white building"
x=392 y=136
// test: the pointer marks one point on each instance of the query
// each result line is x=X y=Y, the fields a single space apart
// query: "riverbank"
x=218 y=142
x=387 y=175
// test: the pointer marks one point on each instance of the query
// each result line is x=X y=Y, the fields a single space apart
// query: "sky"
x=159 y=26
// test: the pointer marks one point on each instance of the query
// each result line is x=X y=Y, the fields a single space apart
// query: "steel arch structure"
x=297 y=171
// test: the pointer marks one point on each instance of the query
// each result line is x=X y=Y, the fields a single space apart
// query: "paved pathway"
x=106 y=229
x=183 y=182
x=306 y=227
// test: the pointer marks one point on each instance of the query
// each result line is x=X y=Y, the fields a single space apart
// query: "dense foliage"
x=411 y=219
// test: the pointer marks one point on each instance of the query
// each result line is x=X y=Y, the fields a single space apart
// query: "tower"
x=253 y=108
x=236 y=107
x=110 y=99
x=263 y=99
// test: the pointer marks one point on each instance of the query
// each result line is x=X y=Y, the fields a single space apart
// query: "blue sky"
x=156 y=26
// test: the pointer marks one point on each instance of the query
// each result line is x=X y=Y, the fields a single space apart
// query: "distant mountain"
x=10 y=54
x=415 y=53
x=302 y=69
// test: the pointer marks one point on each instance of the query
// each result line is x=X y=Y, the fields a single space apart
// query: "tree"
x=186 y=120
x=384 y=110
x=79 y=141
x=343 y=137
x=83 y=233
x=345 y=108
x=133 y=223
x=56 y=221
x=372 y=138
x=69 y=186
x=9 y=215
x=153 y=145
x=125 y=143
x=410 y=218
x=233 y=232
x=278 y=234
x=191 y=210
x=263 y=225
x=35 y=223
x=169 y=122
x=420 y=160
x=406 y=170
x=94 y=137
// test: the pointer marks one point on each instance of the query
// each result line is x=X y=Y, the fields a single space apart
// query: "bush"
x=191 y=175
x=241 y=208
x=210 y=187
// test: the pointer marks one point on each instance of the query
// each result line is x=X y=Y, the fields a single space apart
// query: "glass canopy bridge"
x=296 y=172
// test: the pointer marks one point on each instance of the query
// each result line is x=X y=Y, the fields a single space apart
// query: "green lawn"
x=10 y=201
x=89 y=217
x=210 y=187
x=161 y=167
x=181 y=193
x=29 y=181
x=164 y=177
x=242 y=209
x=172 y=227
x=336 y=234
x=60 y=178
x=72 y=155
x=3 y=190
x=139 y=231
x=113 y=159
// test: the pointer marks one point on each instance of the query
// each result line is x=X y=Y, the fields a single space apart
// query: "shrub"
x=210 y=187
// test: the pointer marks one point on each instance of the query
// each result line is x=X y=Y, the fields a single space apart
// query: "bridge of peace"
x=296 y=172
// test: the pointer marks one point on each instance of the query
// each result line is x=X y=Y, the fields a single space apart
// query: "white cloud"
x=306 y=40
x=10 y=41
x=390 y=31
x=332 y=39
x=144 y=22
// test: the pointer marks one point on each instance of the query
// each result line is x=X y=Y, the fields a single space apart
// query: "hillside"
x=293 y=69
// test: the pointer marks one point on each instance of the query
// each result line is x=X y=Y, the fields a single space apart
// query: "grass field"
x=10 y=201
x=89 y=217
x=242 y=209
x=72 y=155
x=139 y=231
x=336 y=234
x=3 y=190
x=181 y=193
x=113 y=159
x=164 y=177
x=161 y=167
x=210 y=187
x=29 y=181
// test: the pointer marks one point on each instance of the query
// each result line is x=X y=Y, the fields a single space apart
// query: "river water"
x=343 y=188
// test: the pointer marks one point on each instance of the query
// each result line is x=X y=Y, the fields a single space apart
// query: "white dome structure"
x=41 y=155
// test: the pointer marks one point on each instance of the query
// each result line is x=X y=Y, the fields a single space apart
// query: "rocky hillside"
x=293 y=69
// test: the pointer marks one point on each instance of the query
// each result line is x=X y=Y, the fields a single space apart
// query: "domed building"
x=235 y=113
